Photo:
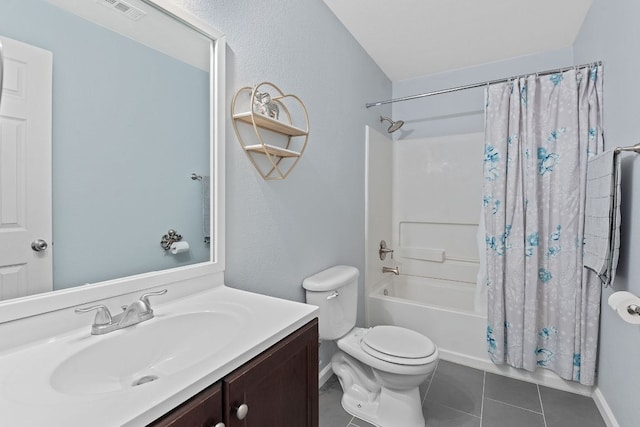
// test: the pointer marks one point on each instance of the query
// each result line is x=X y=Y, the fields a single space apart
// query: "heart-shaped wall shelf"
x=265 y=116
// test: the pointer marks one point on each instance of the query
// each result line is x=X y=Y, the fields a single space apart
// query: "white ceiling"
x=412 y=38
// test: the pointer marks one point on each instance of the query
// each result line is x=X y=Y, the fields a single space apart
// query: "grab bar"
x=1 y=71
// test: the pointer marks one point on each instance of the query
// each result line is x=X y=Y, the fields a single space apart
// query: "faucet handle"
x=103 y=316
x=384 y=250
x=145 y=297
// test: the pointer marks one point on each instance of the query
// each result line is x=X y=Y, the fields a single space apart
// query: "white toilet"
x=379 y=368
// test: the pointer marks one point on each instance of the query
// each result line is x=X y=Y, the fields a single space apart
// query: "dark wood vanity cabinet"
x=278 y=388
x=202 y=410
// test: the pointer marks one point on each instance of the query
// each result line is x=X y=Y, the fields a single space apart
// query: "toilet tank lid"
x=331 y=278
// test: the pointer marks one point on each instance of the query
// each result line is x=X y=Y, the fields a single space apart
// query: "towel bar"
x=634 y=148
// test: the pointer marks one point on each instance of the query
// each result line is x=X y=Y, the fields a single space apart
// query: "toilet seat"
x=398 y=345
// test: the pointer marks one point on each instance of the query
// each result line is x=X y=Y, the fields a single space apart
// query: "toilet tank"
x=335 y=292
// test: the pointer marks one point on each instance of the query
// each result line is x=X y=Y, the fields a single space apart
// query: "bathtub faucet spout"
x=393 y=270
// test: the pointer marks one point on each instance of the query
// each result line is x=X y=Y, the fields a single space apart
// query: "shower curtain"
x=543 y=306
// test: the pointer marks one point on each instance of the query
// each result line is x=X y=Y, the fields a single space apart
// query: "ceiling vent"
x=126 y=9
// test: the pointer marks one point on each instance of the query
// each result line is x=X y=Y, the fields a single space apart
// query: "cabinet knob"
x=241 y=411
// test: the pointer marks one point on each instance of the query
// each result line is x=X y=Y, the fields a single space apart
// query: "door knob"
x=241 y=411
x=39 y=245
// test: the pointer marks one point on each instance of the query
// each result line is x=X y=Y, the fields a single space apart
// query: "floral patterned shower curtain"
x=544 y=307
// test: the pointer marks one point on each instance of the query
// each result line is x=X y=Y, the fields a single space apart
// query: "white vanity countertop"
x=29 y=395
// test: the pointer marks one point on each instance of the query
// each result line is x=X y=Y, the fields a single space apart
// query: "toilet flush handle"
x=335 y=294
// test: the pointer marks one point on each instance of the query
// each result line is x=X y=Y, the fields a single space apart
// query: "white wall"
x=379 y=182
x=611 y=33
x=437 y=193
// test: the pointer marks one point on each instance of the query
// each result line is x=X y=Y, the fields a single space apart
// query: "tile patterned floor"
x=459 y=396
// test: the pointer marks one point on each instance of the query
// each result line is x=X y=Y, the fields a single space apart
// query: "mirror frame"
x=19 y=308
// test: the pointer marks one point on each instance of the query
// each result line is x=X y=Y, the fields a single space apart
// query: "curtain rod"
x=474 y=85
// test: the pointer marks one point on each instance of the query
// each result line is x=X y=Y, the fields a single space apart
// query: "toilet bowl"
x=380 y=382
x=379 y=368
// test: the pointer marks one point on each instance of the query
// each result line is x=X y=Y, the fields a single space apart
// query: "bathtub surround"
x=378 y=189
x=434 y=225
x=543 y=305
x=434 y=293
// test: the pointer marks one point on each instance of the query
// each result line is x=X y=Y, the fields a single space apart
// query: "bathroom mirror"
x=136 y=93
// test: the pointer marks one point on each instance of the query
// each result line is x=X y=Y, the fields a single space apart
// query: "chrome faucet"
x=393 y=270
x=134 y=313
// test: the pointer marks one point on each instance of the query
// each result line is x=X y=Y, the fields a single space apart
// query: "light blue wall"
x=280 y=232
x=611 y=33
x=463 y=111
x=120 y=167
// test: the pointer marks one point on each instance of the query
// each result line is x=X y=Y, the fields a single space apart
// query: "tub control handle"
x=384 y=250
x=335 y=294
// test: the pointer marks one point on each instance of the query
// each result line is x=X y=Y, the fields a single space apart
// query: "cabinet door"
x=279 y=387
x=202 y=410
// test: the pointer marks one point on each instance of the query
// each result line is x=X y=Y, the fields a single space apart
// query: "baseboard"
x=324 y=375
x=604 y=408
x=541 y=376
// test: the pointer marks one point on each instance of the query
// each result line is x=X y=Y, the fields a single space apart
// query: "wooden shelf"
x=272 y=150
x=259 y=104
x=269 y=123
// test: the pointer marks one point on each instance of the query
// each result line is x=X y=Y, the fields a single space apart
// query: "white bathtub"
x=442 y=310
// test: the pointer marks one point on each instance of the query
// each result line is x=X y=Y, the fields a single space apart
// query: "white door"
x=25 y=170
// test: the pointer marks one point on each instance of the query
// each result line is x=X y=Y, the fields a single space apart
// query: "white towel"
x=602 y=222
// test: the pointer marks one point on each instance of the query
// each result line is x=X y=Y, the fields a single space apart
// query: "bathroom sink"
x=145 y=353
x=132 y=376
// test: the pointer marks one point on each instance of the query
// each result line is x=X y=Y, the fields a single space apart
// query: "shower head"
x=393 y=126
